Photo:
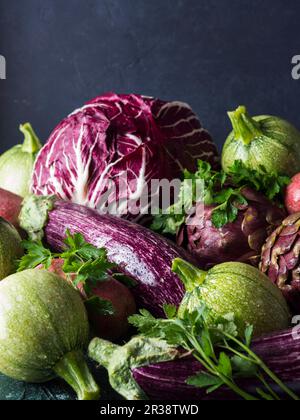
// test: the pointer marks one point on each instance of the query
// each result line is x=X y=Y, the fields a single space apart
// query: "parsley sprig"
x=224 y=190
x=225 y=357
x=83 y=263
x=271 y=184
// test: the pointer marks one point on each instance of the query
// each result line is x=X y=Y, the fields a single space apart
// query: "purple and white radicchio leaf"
x=109 y=150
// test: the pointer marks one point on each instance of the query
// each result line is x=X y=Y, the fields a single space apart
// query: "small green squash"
x=16 y=165
x=238 y=289
x=262 y=141
x=10 y=248
x=43 y=331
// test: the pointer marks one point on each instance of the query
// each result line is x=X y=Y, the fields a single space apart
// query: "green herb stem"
x=267 y=386
x=237 y=353
x=264 y=367
x=277 y=381
x=230 y=384
x=190 y=330
x=250 y=360
x=212 y=368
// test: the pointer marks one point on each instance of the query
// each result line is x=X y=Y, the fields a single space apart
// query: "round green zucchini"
x=237 y=289
x=265 y=141
x=43 y=331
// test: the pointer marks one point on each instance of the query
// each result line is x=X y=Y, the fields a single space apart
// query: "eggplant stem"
x=245 y=128
x=101 y=351
x=74 y=370
x=31 y=142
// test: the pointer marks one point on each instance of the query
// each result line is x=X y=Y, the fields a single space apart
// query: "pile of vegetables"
x=216 y=365
x=108 y=302
x=241 y=208
x=202 y=297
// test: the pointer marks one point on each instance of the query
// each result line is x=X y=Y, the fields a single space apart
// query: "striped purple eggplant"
x=138 y=252
x=166 y=379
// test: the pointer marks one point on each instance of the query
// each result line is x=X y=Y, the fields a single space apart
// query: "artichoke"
x=240 y=240
x=280 y=259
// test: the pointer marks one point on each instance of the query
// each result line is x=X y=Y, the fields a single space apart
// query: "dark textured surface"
x=214 y=55
x=54 y=390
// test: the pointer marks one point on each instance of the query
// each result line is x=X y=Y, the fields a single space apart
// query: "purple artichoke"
x=280 y=259
x=240 y=241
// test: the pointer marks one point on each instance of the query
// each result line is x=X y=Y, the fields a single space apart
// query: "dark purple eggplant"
x=138 y=252
x=166 y=380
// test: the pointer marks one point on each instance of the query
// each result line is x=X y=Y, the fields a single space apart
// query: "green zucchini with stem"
x=44 y=331
x=237 y=289
x=263 y=141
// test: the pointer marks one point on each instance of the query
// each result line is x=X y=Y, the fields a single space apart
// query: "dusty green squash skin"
x=42 y=318
x=265 y=140
x=243 y=291
x=10 y=248
x=21 y=156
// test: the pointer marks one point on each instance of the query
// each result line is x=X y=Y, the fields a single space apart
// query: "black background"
x=214 y=54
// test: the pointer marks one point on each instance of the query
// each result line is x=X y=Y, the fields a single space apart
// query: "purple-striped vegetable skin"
x=280 y=352
x=167 y=380
x=139 y=253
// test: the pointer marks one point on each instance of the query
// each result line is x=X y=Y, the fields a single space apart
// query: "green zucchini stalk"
x=31 y=142
x=245 y=128
x=190 y=275
x=262 y=141
x=74 y=370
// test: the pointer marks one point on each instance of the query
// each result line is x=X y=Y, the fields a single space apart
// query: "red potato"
x=110 y=327
x=113 y=327
x=10 y=207
x=292 y=196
